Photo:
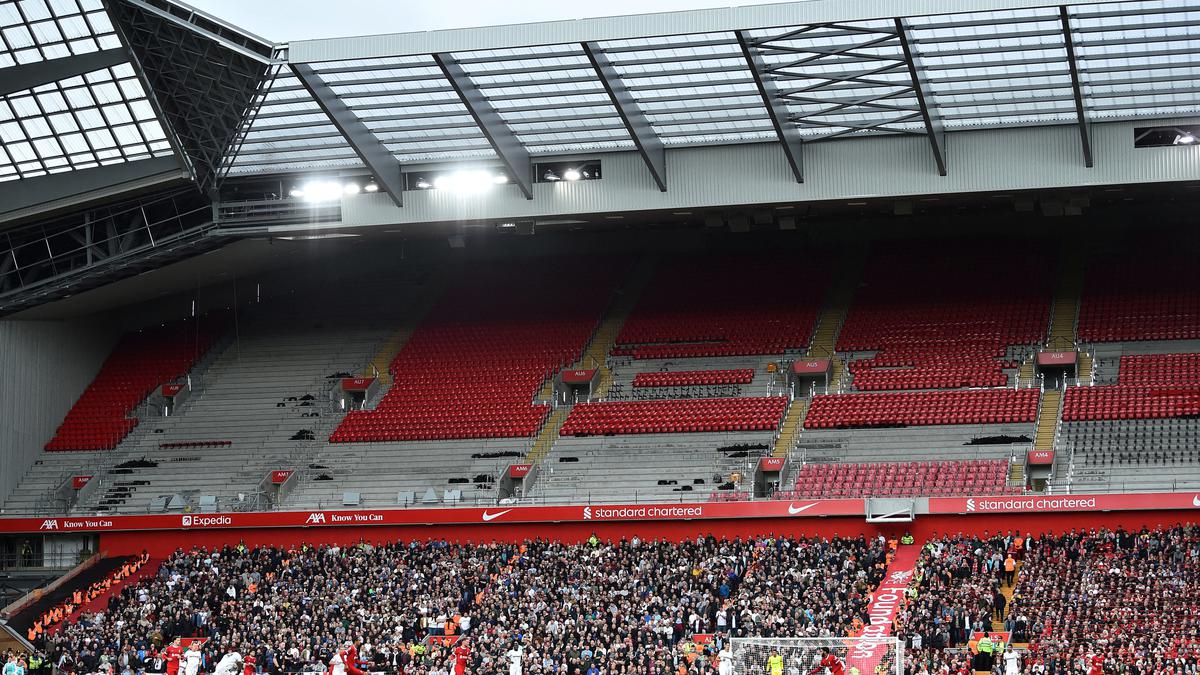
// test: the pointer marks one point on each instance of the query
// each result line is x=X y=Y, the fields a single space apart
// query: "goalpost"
x=801 y=656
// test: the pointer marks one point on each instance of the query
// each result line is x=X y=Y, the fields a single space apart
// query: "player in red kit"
x=830 y=662
x=173 y=653
x=249 y=666
x=1095 y=664
x=462 y=653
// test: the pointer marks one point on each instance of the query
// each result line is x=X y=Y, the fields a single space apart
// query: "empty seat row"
x=705 y=306
x=474 y=365
x=944 y=316
x=140 y=363
x=970 y=406
x=674 y=416
x=901 y=479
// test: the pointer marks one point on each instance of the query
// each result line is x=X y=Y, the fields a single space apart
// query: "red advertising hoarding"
x=519 y=470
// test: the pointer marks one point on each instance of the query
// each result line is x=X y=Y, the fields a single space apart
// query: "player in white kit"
x=725 y=661
x=1012 y=661
x=230 y=664
x=514 y=659
x=192 y=658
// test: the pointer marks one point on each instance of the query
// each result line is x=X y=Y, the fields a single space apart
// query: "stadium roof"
x=89 y=83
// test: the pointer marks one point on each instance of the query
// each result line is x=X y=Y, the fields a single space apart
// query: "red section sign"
x=582 y=376
x=1039 y=457
x=444 y=516
x=811 y=367
x=1056 y=358
x=78 y=482
x=1065 y=503
x=171 y=390
x=357 y=383
x=279 y=477
x=519 y=470
x=771 y=464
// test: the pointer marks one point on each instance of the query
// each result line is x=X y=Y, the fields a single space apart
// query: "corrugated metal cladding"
x=886 y=166
x=638 y=26
x=46 y=366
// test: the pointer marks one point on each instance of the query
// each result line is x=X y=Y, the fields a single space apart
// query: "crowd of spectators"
x=956 y=588
x=1131 y=597
x=625 y=607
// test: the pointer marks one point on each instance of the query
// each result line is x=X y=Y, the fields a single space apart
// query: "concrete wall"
x=44 y=367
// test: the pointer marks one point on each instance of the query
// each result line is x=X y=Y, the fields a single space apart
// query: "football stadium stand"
x=582 y=347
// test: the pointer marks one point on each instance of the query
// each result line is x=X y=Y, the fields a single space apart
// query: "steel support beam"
x=648 y=144
x=381 y=162
x=1085 y=127
x=788 y=133
x=933 y=123
x=503 y=141
x=22 y=199
x=30 y=75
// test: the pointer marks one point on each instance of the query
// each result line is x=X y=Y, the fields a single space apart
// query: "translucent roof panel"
x=550 y=98
x=980 y=69
x=40 y=30
x=1140 y=59
x=995 y=68
x=694 y=89
x=840 y=79
x=99 y=118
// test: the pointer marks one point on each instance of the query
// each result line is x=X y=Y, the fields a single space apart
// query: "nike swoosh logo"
x=1196 y=501
x=793 y=510
x=492 y=516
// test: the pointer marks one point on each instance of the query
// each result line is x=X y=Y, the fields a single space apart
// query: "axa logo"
x=970 y=504
x=315 y=519
x=187 y=521
x=489 y=517
x=587 y=513
x=49 y=524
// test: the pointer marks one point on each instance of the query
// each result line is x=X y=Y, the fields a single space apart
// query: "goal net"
x=802 y=656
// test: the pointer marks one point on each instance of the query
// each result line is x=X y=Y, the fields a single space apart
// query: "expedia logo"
x=49 y=524
x=587 y=513
x=971 y=504
x=206 y=521
x=315 y=519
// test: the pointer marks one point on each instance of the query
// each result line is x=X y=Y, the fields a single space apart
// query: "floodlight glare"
x=423 y=184
x=322 y=191
x=296 y=192
x=1186 y=138
x=351 y=188
x=572 y=174
x=500 y=179
x=371 y=187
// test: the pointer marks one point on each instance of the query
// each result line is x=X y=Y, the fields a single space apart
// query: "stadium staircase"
x=1064 y=313
x=595 y=354
x=1048 y=420
x=1007 y=591
x=380 y=365
x=822 y=345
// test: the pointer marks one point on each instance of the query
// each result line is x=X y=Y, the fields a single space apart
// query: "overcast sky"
x=304 y=19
